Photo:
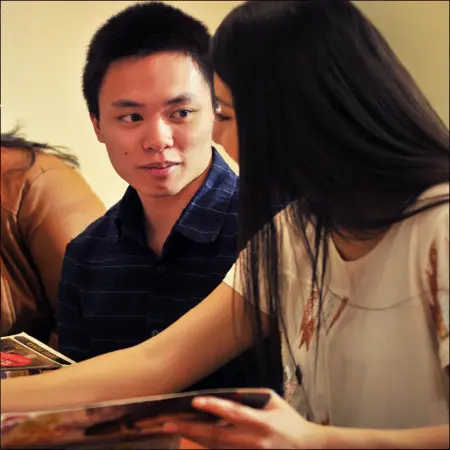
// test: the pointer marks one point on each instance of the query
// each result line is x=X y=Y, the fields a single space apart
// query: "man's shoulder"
x=225 y=186
x=99 y=231
x=230 y=208
x=234 y=201
x=223 y=197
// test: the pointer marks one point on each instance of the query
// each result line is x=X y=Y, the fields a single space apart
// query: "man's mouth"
x=160 y=169
x=160 y=165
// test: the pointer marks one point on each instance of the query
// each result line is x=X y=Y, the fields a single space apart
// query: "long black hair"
x=15 y=140
x=328 y=116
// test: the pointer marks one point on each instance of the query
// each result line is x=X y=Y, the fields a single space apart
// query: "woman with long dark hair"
x=45 y=203
x=354 y=272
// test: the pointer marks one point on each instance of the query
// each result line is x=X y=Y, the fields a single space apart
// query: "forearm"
x=122 y=374
x=168 y=362
x=417 y=438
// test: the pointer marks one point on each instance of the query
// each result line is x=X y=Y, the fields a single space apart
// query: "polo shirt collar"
x=201 y=220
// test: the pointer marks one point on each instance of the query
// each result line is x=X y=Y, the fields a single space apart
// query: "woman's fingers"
x=230 y=411
x=276 y=402
x=247 y=427
x=215 y=437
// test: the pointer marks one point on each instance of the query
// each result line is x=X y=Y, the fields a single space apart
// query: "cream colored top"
x=384 y=336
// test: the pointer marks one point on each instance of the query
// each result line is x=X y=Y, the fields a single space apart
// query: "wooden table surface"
x=189 y=445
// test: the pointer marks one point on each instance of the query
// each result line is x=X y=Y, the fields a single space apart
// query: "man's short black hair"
x=141 y=30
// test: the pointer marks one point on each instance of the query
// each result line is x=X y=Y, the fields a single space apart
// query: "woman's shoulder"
x=47 y=161
x=428 y=230
x=436 y=218
x=18 y=163
x=20 y=175
x=436 y=191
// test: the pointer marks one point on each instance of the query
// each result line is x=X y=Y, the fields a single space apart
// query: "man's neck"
x=161 y=213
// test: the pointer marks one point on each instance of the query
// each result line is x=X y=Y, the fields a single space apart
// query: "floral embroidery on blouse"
x=290 y=384
x=308 y=324
x=435 y=306
x=339 y=312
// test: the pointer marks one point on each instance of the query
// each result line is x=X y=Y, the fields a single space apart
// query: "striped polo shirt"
x=115 y=292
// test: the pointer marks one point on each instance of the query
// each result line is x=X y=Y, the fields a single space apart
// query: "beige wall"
x=42 y=53
x=419 y=32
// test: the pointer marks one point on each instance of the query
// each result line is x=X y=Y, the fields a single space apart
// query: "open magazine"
x=131 y=424
x=23 y=355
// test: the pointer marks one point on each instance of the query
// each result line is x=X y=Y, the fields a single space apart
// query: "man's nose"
x=158 y=136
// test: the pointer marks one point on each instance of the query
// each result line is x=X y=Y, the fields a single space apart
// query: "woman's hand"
x=278 y=425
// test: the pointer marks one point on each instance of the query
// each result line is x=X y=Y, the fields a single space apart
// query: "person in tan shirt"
x=45 y=203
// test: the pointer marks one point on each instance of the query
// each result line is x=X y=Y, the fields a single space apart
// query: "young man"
x=171 y=239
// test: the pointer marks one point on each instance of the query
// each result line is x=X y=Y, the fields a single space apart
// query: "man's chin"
x=162 y=194
x=159 y=192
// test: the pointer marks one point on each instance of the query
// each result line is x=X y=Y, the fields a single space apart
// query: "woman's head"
x=225 y=129
x=326 y=113
x=329 y=117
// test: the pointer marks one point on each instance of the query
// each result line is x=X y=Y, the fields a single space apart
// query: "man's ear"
x=96 y=124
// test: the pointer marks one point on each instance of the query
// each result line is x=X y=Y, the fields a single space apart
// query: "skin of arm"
x=279 y=425
x=426 y=437
x=205 y=338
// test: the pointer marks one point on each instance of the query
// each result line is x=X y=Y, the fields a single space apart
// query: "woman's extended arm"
x=205 y=338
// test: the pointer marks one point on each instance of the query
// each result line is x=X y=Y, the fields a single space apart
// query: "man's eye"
x=182 y=113
x=131 y=117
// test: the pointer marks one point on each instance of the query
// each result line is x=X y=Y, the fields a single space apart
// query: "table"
x=185 y=444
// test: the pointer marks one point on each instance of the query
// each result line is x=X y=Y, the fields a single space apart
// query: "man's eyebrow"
x=221 y=100
x=125 y=103
x=179 y=99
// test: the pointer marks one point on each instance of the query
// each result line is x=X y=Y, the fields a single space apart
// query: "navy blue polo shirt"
x=115 y=292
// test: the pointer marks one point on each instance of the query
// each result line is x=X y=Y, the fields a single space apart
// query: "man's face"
x=156 y=120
